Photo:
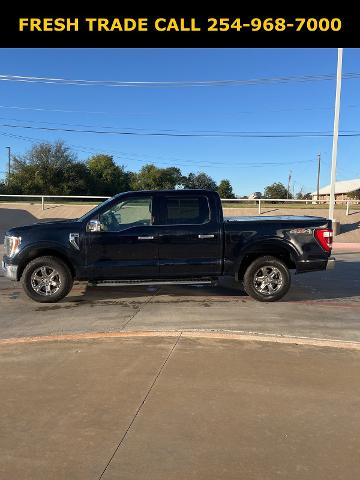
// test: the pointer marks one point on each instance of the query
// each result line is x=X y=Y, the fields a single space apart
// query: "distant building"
x=342 y=190
x=255 y=195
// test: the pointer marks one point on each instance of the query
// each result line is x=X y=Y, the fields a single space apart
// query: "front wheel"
x=47 y=279
x=267 y=279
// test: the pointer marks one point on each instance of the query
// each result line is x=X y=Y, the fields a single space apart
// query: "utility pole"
x=336 y=133
x=288 y=186
x=318 y=178
x=9 y=163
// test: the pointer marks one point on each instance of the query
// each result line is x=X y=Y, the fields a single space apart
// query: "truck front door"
x=126 y=244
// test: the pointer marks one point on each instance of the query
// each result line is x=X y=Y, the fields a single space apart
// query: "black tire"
x=267 y=279
x=57 y=279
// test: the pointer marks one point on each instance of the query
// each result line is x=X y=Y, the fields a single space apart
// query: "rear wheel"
x=47 y=279
x=267 y=279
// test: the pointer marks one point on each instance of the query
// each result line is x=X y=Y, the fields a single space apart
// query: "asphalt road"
x=319 y=305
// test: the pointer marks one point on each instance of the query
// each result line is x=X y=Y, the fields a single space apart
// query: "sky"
x=249 y=163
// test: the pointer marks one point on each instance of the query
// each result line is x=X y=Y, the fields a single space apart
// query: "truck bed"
x=280 y=218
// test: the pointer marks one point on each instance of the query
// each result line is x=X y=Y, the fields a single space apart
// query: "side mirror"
x=93 y=226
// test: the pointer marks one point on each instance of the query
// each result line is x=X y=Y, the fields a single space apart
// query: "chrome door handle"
x=206 y=236
x=145 y=238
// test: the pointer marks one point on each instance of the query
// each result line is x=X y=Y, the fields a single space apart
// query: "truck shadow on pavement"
x=342 y=283
x=159 y=293
x=349 y=227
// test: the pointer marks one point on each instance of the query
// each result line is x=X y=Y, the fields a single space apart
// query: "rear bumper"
x=10 y=271
x=304 y=266
x=330 y=263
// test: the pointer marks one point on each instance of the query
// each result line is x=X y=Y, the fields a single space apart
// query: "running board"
x=126 y=283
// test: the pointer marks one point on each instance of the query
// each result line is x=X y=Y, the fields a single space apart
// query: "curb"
x=212 y=334
x=354 y=247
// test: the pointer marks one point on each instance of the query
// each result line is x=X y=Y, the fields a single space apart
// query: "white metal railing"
x=258 y=201
x=55 y=196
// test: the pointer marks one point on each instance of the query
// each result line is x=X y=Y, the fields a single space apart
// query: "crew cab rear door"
x=190 y=235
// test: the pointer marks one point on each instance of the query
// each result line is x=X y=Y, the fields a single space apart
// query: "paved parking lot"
x=178 y=408
x=319 y=305
x=112 y=401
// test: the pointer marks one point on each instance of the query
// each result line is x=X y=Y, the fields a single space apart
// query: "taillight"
x=325 y=237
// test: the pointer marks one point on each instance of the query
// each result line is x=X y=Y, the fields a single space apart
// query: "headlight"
x=11 y=245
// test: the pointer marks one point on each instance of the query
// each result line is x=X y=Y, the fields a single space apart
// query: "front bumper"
x=10 y=271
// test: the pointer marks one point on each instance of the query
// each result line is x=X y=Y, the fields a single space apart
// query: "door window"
x=132 y=212
x=186 y=210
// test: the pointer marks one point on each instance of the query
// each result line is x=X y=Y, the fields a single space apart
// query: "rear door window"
x=186 y=210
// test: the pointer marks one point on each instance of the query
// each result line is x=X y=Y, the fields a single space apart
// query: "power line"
x=176 y=83
x=343 y=171
x=168 y=130
x=122 y=155
x=191 y=163
x=97 y=112
x=105 y=126
x=188 y=135
x=63 y=110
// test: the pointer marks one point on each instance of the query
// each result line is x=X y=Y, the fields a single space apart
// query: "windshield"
x=93 y=210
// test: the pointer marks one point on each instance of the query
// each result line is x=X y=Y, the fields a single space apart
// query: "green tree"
x=151 y=177
x=107 y=178
x=199 y=180
x=225 y=189
x=3 y=187
x=303 y=196
x=354 y=195
x=48 y=168
x=276 y=190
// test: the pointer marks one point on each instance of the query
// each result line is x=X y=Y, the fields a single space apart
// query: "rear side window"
x=186 y=210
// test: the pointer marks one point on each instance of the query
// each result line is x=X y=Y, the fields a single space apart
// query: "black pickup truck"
x=166 y=237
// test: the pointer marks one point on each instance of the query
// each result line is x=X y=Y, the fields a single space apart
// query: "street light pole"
x=335 y=134
x=318 y=178
x=9 y=163
x=288 y=185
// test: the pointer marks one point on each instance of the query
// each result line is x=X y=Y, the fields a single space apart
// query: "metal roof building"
x=342 y=189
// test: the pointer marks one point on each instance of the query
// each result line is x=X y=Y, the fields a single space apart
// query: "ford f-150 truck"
x=166 y=237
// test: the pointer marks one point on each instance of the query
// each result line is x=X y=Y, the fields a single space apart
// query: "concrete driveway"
x=174 y=383
x=180 y=408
